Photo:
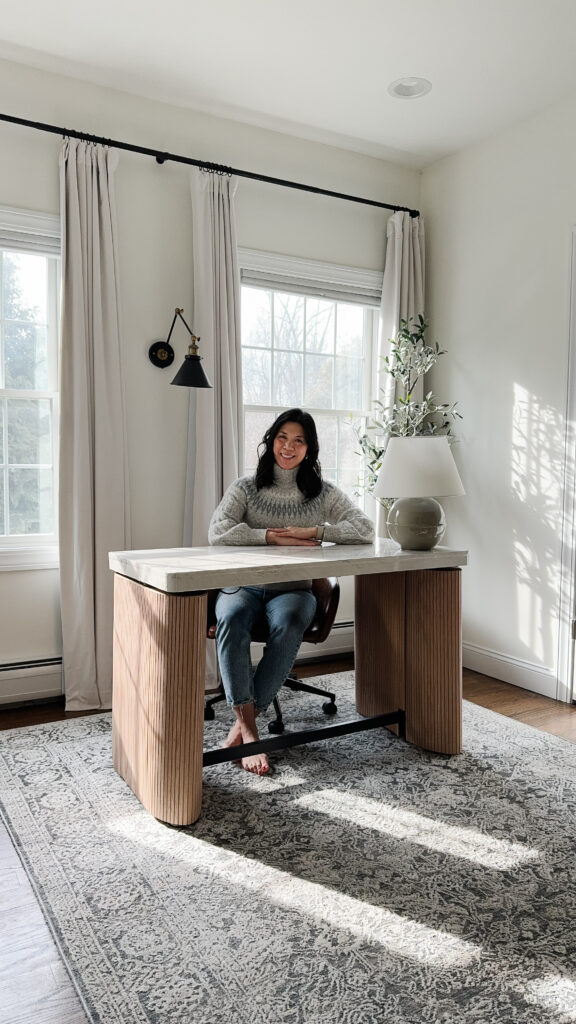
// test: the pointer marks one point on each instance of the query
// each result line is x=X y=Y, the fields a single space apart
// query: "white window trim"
x=29 y=558
x=259 y=269
x=31 y=231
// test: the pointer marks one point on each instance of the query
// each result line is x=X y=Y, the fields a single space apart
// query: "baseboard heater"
x=17 y=666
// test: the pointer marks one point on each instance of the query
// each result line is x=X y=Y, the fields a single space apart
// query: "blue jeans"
x=288 y=613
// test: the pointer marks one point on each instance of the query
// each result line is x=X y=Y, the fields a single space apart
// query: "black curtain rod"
x=204 y=164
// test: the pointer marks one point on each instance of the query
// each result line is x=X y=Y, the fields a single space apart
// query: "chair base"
x=293 y=683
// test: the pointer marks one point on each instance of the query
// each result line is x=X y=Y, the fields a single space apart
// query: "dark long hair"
x=309 y=475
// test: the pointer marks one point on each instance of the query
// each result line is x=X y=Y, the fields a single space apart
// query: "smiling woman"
x=286 y=503
x=290 y=446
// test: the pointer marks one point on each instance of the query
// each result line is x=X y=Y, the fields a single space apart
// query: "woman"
x=286 y=502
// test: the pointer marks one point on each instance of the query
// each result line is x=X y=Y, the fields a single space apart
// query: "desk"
x=407 y=650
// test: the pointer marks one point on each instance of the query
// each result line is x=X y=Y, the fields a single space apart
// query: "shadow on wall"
x=537 y=482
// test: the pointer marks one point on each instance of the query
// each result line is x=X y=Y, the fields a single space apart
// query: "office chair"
x=327 y=593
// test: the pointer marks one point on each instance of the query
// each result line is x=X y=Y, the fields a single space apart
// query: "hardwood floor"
x=34 y=985
x=540 y=712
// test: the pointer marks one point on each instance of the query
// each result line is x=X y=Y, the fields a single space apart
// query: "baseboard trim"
x=340 y=641
x=510 y=670
x=35 y=682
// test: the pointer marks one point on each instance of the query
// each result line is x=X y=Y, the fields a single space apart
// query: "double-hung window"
x=308 y=333
x=29 y=289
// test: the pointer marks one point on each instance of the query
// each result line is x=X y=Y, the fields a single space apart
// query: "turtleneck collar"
x=285 y=477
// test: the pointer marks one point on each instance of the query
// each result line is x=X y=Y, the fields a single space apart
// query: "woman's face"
x=290 y=446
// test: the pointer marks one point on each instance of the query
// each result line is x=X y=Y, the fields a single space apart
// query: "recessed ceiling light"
x=409 y=88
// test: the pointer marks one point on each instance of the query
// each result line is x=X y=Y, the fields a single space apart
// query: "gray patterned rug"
x=364 y=881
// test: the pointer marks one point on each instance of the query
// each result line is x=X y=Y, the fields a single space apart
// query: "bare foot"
x=244 y=730
x=234 y=737
x=256 y=763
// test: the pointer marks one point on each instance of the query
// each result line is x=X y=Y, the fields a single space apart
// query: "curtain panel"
x=402 y=289
x=93 y=507
x=215 y=432
x=402 y=298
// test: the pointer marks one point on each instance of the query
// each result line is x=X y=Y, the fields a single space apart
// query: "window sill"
x=17 y=559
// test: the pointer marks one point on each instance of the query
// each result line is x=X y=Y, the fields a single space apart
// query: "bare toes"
x=256 y=765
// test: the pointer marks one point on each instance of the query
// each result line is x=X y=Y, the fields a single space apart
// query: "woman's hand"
x=294 y=535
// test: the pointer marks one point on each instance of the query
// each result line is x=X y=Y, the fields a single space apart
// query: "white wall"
x=155 y=249
x=499 y=216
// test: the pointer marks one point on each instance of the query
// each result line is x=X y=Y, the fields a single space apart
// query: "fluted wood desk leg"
x=434 y=660
x=408 y=653
x=379 y=644
x=158 y=697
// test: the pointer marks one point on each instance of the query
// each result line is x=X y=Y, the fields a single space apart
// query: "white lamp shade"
x=418 y=467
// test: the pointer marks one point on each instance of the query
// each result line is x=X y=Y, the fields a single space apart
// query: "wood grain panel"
x=379 y=632
x=434 y=660
x=158 y=695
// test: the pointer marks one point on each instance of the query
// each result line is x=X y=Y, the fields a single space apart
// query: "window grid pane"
x=288 y=321
x=29 y=432
x=28 y=374
x=30 y=501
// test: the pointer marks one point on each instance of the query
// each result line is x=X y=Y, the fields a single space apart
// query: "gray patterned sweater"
x=244 y=514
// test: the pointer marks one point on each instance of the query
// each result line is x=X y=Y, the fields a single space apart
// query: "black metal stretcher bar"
x=293 y=739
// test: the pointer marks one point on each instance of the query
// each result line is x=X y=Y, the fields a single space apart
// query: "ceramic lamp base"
x=417 y=524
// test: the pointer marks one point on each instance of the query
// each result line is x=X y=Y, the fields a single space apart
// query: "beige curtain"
x=402 y=298
x=215 y=436
x=93 y=505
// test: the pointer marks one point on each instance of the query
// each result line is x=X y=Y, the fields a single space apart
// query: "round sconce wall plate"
x=161 y=354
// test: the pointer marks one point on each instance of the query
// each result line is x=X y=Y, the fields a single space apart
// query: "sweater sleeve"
x=227 y=525
x=346 y=523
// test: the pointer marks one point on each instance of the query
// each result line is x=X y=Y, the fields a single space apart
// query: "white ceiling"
x=318 y=69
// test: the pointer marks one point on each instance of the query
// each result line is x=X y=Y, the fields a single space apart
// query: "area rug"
x=364 y=881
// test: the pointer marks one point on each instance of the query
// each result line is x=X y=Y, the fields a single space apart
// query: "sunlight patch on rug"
x=395 y=933
x=553 y=993
x=458 y=841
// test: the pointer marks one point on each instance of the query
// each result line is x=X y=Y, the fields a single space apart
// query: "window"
x=29 y=269
x=307 y=345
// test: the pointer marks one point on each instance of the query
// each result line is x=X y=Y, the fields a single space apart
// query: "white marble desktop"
x=181 y=570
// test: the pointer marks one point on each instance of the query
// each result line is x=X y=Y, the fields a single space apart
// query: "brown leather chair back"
x=327 y=594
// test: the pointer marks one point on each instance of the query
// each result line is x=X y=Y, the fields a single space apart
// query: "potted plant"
x=410 y=360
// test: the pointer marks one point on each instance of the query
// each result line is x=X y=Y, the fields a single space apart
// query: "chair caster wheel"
x=276 y=727
x=329 y=708
x=208 y=713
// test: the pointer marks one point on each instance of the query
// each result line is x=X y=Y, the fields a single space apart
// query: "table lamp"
x=413 y=469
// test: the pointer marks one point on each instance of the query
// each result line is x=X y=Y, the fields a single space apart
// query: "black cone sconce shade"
x=191 y=373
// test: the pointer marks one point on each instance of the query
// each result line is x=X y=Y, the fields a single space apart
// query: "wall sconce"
x=191 y=373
